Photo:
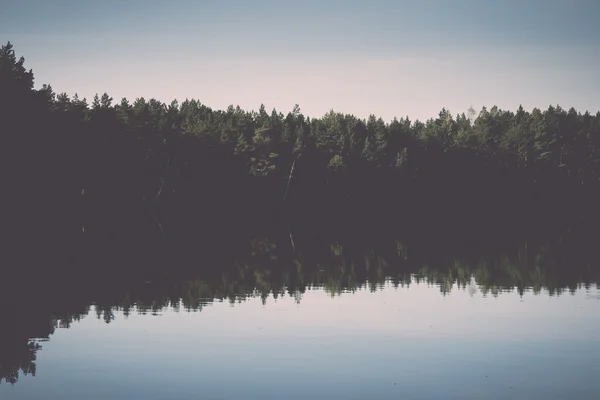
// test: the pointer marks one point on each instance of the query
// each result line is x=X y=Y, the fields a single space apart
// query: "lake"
x=307 y=312
x=385 y=340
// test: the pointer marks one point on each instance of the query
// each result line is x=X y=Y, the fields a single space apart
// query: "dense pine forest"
x=129 y=172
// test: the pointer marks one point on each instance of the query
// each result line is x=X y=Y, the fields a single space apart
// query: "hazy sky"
x=386 y=57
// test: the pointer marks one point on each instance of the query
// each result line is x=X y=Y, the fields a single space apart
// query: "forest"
x=133 y=171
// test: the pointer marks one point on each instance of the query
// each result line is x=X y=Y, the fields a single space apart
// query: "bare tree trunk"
x=287 y=187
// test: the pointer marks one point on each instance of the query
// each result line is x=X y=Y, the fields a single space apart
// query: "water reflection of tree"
x=23 y=330
x=339 y=273
x=193 y=268
x=267 y=266
x=17 y=358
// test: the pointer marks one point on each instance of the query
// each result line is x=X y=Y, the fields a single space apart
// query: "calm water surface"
x=408 y=342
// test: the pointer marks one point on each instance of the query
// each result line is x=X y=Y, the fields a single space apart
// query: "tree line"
x=140 y=168
x=556 y=140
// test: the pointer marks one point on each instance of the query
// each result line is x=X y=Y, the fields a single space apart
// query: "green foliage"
x=336 y=163
x=242 y=146
x=263 y=166
x=14 y=78
x=555 y=141
x=401 y=159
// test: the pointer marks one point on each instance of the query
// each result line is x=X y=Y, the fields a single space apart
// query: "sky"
x=391 y=58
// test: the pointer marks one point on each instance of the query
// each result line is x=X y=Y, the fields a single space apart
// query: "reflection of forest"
x=39 y=300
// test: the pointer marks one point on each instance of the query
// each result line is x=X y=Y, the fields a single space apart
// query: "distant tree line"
x=109 y=168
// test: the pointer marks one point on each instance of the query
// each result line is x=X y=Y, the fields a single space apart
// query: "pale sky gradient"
x=386 y=57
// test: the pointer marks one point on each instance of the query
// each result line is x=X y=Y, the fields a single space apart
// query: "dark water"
x=430 y=313
x=409 y=341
